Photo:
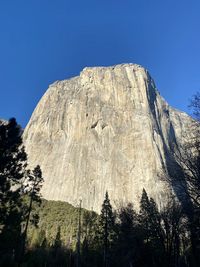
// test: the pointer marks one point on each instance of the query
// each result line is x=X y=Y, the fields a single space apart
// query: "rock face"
x=107 y=129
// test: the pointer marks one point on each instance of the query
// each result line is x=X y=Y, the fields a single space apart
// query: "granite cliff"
x=107 y=129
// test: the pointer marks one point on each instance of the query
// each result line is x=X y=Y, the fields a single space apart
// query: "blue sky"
x=47 y=40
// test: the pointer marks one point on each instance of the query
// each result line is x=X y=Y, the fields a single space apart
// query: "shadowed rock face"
x=107 y=129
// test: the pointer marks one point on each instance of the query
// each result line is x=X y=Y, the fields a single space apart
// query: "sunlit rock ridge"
x=107 y=129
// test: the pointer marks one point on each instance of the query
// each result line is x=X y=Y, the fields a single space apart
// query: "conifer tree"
x=33 y=184
x=57 y=242
x=151 y=227
x=144 y=215
x=127 y=237
x=107 y=223
x=12 y=168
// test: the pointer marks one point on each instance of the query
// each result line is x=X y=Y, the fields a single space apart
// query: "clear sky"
x=42 y=41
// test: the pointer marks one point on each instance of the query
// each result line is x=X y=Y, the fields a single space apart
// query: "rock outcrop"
x=107 y=129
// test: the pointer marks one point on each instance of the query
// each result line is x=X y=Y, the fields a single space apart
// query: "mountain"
x=106 y=130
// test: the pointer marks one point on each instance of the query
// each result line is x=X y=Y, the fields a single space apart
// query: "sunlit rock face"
x=107 y=129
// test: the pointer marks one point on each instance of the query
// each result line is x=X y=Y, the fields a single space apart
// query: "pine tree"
x=107 y=224
x=127 y=237
x=33 y=184
x=151 y=227
x=144 y=215
x=79 y=233
x=57 y=242
x=12 y=168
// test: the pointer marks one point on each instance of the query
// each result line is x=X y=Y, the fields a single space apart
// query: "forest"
x=37 y=232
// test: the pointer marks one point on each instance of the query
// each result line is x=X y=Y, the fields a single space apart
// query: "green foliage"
x=31 y=188
x=57 y=215
x=137 y=236
x=127 y=245
x=15 y=182
x=150 y=221
x=12 y=165
x=12 y=168
x=168 y=238
x=106 y=222
x=106 y=230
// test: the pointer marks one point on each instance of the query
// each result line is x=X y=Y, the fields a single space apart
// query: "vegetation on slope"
x=36 y=232
x=57 y=217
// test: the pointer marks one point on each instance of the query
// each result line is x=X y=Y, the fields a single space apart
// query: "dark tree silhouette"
x=150 y=221
x=57 y=241
x=12 y=165
x=106 y=223
x=12 y=168
x=127 y=244
x=78 y=244
x=174 y=225
x=188 y=157
x=32 y=186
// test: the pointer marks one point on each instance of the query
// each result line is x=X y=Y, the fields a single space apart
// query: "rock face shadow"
x=105 y=130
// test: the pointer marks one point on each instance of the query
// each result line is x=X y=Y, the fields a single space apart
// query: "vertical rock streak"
x=107 y=129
